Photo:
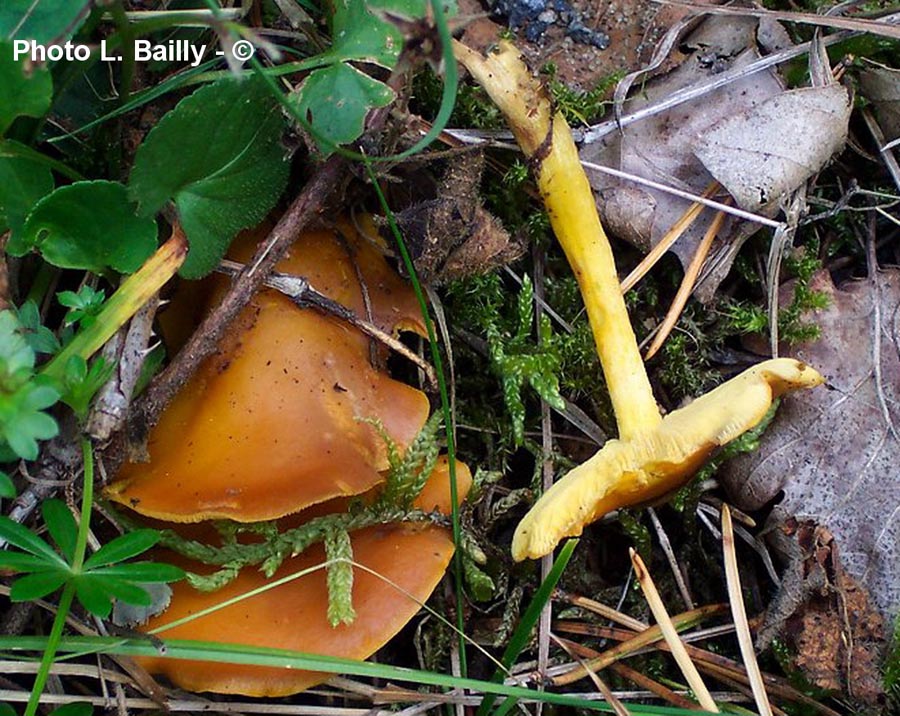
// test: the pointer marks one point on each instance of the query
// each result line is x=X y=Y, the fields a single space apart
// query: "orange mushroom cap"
x=274 y=421
x=294 y=615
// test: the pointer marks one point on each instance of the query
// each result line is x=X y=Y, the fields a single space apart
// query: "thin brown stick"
x=303 y=211
x=875 y=27
x=675 y=232
x=686 y=287
x=575 y=651
x=645 y=682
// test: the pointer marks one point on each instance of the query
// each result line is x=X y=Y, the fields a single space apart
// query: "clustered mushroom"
x=653 y=455
x=289 y=418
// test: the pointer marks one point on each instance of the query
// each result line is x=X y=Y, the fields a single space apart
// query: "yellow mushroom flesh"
x=653 y=455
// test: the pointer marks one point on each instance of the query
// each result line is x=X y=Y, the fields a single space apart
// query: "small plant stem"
x=59 y=621
x=546 y=140
x=134 y=292
x=445 y=409
x=68 y=593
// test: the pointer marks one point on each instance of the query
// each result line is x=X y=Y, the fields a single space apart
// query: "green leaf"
x=21 y=92
x=77 y=708
x=40 y=338
x=16 y=356
x=88 y=225
x=22 y=562
x=22 y=184
x=23 y=538
x=37 y=585
x=359 y=35
x=80 y=383
x=124 y=590
x=146 y=572
x=336 y=99
x=121 y=548
x=7 y=488
x=93 y=595
x=83 y=306
x=219 y=155
x=61 y=526
x=7 y=710
x=22 y=424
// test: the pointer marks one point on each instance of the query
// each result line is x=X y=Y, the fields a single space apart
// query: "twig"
x=128 y=349
x=687 y=285
x=886 y=151
x=674 y=233
x=670 y=556
x=882 y=27
x=304 y=295
x=303 y=211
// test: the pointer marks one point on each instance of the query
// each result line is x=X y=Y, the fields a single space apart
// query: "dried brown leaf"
x=766 y=152
x=834 y=453
x=881 y=86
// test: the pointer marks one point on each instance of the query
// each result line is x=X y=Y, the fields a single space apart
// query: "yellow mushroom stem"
x=546 y=140
x=653 y=456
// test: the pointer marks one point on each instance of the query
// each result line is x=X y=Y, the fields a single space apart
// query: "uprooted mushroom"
x=653 y=455
x=293 y=418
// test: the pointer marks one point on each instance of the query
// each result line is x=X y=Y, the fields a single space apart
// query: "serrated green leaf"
x=22 y=184
x=121 y=548
x=88 y=225
x=147 y=572
x=219 y=155
x=16 y=356
x=21 y=93
x=61 y=526
x=42 y=20
x=336 y=99
x=40 y=338
x=23 y=538
x=37 y=585
x=7 y=488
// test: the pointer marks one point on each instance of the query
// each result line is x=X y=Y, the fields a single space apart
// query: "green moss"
x=794 y=326
x=580 y=107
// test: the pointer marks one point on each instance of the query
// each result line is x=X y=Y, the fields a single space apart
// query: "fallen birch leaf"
x=661 y=147
x=834 y=453
x=734 y=134
x=766 y=152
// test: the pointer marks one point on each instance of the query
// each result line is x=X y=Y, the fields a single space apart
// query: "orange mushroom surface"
x=276 y=419
x=409 y=556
